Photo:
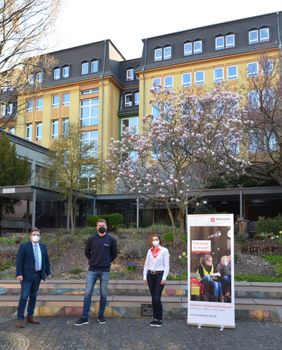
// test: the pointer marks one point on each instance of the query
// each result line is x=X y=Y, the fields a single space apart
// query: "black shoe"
x=159 y=323
x=81 y=322
x=153 y=323
x=101 y=320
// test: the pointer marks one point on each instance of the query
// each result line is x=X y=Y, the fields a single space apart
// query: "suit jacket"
x=25 y=265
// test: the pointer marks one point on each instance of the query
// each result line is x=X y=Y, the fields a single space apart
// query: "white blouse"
x=160 y=263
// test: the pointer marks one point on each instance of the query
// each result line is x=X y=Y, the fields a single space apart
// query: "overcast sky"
x=127 y=22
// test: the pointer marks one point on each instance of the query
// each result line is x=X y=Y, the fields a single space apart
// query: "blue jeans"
x=91 y=279
x=217 y=287
x=29 y=290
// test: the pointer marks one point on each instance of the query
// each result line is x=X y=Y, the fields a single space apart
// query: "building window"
x=39 y=77
x=230 y=40
x=29 y=105
x=267 y=67
x=167 y=52
x=158 y=54
x=218 y=75
x=65 y=126
x=168 y=82
x=219 y=43
x=55 y=101
x=130 y=74
x=39 y=103
x=232 y=72
x=31 y=79
x=94 y=66
x=66 y=99
x=198 y=46
x=253 y=36
x=254 y=99
x=136 y=98
x=89 y=91
x=12 y=131
x=264 y=34
x=188 y=49
x=55 y=129
x=66 y=71
x=89 y=112
x=28 y=132
x=90 y=138
x=84 y=68
x=38 y=131
x=57 y=73
x=155 y=111
x=199 y=78
x=87 y=177
x=128 y=100
x=252 y=69
x=186 y=79
x=156 y=84
x=131 y=124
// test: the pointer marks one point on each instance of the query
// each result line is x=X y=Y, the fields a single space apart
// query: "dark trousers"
x=156 y=289
x=29 y=290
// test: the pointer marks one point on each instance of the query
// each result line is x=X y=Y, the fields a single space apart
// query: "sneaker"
x=101 y=320
x=81 y=322
x=153 y=323
x=159 y=323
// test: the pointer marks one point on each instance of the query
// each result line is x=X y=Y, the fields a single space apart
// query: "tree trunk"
x=176 y=235
x=71 y=214
x=180 y=218
x=68 y=214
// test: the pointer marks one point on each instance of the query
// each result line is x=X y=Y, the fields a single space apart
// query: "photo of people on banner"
x=210 y=264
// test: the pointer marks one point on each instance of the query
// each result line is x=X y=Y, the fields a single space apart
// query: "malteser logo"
x=212 y=219
x=219 y=219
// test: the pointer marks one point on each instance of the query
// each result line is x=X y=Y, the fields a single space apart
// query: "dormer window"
x=219 y=42
x=264 y=34
x=31 y=79
x=198 y=46
x=130 y=74
x=258 y=35
x=57 y=73
x=167 y=52
x=128 y=100
x=158 y=54
x=39 y=77
x=253 y=36
x=230 y=40
x=94 y=66
x=84 y=68
x=66 y=71
x=188 y=49
x=224 y=41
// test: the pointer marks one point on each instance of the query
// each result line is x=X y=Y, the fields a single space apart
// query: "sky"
x=127 y=22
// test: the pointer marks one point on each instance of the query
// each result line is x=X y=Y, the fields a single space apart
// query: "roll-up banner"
x=211 y=270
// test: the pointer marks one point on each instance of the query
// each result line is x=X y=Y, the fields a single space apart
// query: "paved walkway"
x=126 y=334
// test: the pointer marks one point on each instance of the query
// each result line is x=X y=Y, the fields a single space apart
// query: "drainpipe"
x=102 y=107
x=278 y=31
x=143 y=74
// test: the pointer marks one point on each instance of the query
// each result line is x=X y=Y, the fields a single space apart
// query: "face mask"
x=156 y=243
x=35 y=239
x=101 y=230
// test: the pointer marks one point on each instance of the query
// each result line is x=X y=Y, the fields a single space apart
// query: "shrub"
x=113 y=220
x=168 y=237
x=76 y=270
x=132 y=249
x=269 y=225
x=87 y=230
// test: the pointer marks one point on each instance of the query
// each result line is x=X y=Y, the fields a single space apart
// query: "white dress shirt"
x=158 y=263
x=39 y=255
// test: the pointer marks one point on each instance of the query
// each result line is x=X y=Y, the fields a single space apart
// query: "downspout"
x=143 y=74
x=102 y=108
x=278 y=31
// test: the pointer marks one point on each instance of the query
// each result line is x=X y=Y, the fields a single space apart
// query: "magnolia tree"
x=194 y=137
x=262 y=94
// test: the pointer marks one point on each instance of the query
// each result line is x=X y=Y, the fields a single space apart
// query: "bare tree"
x=263 y=107
x=23 y=28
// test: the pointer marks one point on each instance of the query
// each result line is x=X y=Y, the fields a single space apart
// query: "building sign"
x=8 y=190
x=211 y=270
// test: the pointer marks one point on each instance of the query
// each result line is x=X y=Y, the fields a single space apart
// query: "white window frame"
x=250 y=74
x=91 y=140
x=136 y=99
x=189 y=83
x=31 y=79
x=66 y=71
x=128 y=103
x=89 y=91
x=55 y=105
x=218 y=69
x=39 y=107
x=91 y=120
x=66 y=103
x=255 y=99
x=65 y=126
x=167 y=52
x=28 y=131
x=270 y=66
x=188 y=48
x=199 y=82
x=57 y=73
x=156 y=86
x=260 y=34
x=197 y=51
x=29 y=108
x=170 y=86
x=158 y=54
x=55 y=125
x=253 y=41
x=130 y=74
x=131 y=119
x=38 y=131
x=84 y=68
x=233 y=40
x=217 y=45
x=94 y=64
x=232 y=77
x=39 y=77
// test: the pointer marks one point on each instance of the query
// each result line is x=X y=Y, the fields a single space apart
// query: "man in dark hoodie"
x=101 y=251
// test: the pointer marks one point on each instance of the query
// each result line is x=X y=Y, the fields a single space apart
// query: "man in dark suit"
x=32 y=266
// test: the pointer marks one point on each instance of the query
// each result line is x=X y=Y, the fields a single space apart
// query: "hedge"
x=113 y=220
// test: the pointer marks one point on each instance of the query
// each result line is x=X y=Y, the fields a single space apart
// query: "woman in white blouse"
x=156 y=269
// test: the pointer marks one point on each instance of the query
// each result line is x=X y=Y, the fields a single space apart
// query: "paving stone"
x=13 y=341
